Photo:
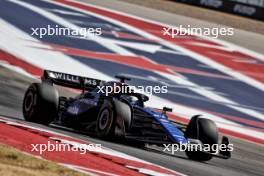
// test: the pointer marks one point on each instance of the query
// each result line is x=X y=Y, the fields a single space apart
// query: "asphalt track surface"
x=247 y=157
x=242 y=37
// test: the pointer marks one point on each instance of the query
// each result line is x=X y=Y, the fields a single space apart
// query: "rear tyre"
x=206 y=131
x=40 y=104
x=105 y=123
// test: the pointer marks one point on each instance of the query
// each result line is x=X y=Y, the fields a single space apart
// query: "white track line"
x=207 y=61
x=104 y=150
x=179 y=80
x=65 y=23
x=20 y=44
x=25 y=46
x=21 y=49
x=232 y=46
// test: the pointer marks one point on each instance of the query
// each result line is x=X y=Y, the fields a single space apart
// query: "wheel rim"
x=29 y=101
x=104 y=119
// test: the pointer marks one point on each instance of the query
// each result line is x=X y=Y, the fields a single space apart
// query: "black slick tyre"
x=40 y=104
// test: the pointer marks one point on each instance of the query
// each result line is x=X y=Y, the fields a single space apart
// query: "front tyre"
x=40 y=103
x=105 y=123
x=206 y=131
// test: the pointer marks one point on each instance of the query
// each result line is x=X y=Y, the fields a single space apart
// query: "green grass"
x=16 y=163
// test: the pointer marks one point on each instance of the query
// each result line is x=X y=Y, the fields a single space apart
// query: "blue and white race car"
x=111 y=115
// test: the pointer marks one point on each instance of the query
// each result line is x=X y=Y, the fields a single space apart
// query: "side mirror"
x=122 y=78
x=144 y=98
x=166 y=109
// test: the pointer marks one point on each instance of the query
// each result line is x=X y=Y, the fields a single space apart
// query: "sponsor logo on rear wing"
x=72 y=81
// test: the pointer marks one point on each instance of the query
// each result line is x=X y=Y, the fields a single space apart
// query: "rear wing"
x=71 y=81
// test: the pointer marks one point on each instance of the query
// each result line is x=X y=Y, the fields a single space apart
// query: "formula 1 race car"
x=115 y=115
